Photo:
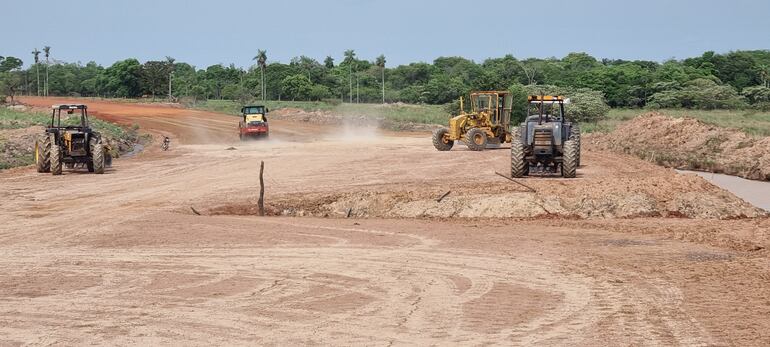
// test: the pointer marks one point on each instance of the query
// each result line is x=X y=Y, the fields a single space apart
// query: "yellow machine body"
x=490 y=112
x=258 y=117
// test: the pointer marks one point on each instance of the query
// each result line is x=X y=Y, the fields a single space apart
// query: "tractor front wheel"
x=570 y=159
x=519 y=167
x=56 y=162
x=43 y=154
x=476 y=139
x=441 y=140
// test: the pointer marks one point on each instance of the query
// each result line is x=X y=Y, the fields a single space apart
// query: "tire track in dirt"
x=313 y=294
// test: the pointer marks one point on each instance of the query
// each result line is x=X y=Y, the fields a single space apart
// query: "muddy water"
x=755 y=192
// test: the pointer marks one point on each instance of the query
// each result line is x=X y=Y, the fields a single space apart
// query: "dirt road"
x=120 y=259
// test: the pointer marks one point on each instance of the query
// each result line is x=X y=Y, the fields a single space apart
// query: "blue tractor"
x=547 y=143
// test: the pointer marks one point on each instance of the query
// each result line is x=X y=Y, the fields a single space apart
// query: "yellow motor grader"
x=487 y=123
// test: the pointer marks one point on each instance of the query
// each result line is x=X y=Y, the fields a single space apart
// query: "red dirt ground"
x=120 y=258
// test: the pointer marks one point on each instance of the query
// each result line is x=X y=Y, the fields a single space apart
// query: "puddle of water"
x=755 y=192
x=138 y=148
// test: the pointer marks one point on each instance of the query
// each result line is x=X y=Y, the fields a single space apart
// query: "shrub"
x=757 y=94
x=761 y=106
x=700 y=94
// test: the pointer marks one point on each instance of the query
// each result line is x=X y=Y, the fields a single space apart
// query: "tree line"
x=736 y=79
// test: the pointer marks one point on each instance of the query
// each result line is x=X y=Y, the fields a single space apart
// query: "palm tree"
x=36 y=54
x=381 y=63
x=170 y=66
x=47 y=50
x=261 y=59
x=350 y=58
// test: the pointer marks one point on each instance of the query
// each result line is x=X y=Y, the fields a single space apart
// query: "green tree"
x=10 y=83
x=124 y=78
x=308 y=66
x=380 y=62
x=36 y=54
x=442 y=89
x=10 y=63
x=155 y=76
x=198 y=92
x=261 y=59
x=350 y=59
x=320 y=92
x=296 y=87
x=47 y=51
x=329 y=62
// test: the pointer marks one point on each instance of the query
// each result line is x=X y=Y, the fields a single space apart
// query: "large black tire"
x=519 y=167
x=56 y=162
x=575 y=135
x=476 y=139
x=569 y=161
x=43 y=154
x=97 y=158
x=439 y=142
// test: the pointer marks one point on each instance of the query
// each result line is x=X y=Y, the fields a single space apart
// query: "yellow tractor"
x=487 y=123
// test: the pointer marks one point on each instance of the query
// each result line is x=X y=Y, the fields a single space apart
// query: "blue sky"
x=230 y=31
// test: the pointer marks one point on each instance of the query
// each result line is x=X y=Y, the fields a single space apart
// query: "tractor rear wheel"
x=569 y=161
x=441 y=141
x=56 y=162
x=519 y=167
x=43 y=154
x=97 y=158
x=476 y=139
x=576 y=136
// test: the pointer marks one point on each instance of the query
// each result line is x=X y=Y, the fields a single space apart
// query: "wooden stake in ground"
x=517 y=182
x=443 y=196
x=261 y=201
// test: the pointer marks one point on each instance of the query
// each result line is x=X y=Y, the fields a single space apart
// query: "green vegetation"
x=11 y=119
x=739 y=79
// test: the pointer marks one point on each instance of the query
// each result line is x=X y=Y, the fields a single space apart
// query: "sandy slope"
x=688 y=143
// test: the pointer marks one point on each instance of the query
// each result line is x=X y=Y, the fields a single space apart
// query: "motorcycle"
x=166 y=143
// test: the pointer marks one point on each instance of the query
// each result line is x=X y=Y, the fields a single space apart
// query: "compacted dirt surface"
x=628 y=253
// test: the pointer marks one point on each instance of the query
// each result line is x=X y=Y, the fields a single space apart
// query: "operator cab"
x=496 y=103
x=546 y=108
x=56 y=119
x=254 y=115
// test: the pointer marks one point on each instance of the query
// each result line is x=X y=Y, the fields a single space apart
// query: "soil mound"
x=688 y=143
x=675 y=196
